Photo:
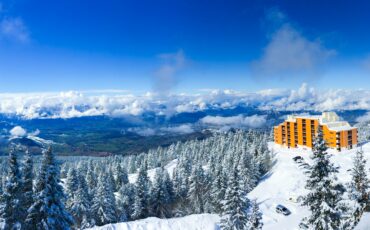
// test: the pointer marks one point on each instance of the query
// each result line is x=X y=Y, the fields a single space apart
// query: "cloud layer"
x=77 y=104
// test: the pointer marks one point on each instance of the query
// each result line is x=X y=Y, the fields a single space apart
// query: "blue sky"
x=182 y=46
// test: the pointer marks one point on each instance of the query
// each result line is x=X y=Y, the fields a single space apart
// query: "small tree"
x=255 y=217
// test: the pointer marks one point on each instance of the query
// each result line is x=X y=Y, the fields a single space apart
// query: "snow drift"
x=192 y=222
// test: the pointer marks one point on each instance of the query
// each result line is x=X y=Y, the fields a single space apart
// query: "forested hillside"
x=209 y=175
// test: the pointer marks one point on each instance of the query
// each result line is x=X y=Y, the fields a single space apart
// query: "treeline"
x=212 y=175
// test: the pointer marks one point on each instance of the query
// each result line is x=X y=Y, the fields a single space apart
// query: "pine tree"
x=27 y=186
x=180 y=182
x=325 y=196
x=125 y=202
x=141 y=198
x=111 y=181
x=359 y=187
x=197 y=189
x=121 y=176
x=235 y=205
x=161 y=194
x=80 y=205
x=91 y=180
x=48 y=211
x=104 y=204
x=218 y=189
x=71 y=186
x=12 y=211
x=255 y=217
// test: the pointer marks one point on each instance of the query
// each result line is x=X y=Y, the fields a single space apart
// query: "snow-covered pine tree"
x=27 y=184
x=141 y=198
x=12 y=211
x=235 y=205
x=255 y=217
x=359 y=187
x=91 y=179
x=125 y=202
x=181 y=178
x=325 y=193
x=197 y=189
x=104 y=204
x=80 y=205
x=168 y=184
x=121 y=176
x=249 y=171
x=161 y=194
x=48 y=211
x=218 y=188
x=111 y=181
x=71 y=186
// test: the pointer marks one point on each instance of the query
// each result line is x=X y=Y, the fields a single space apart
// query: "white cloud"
x=18 y=131
x=253 y=121
x=289 y=53
x=181 y=129
x=145 y=132
x=35 y=133
x=165 y=77
x=14 y=29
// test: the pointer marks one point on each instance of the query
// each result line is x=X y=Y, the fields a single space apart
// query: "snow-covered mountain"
x=284 y=184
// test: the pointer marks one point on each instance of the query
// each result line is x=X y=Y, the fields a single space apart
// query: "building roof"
x=331 y=119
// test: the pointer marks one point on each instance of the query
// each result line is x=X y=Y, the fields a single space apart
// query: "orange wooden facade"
x=302 y=131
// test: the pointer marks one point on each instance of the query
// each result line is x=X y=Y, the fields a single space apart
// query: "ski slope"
x=285 y=180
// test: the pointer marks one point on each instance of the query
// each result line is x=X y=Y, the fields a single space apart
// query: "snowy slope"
x=364 y=223
x=285 y=180
x=192 y=222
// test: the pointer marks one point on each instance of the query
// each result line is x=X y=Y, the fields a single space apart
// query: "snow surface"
x=191 y=222
x=364 y=224
x=285 y=180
